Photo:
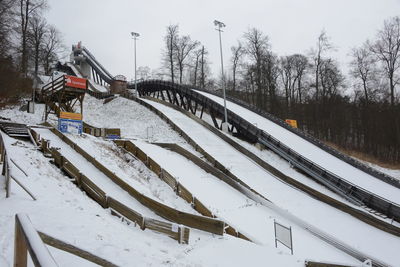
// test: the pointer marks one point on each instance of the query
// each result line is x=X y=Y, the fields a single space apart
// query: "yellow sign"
x=292 y=123
x=70 y=116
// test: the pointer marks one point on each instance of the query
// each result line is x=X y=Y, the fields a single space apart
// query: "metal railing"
x=337 y=184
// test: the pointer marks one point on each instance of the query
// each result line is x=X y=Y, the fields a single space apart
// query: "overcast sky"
x=104 y=26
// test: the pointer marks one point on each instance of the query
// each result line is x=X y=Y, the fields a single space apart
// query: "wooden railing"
x=114 y=133
x=171 y=181
x=4 y=158
x=177 y=232
x=27 y=238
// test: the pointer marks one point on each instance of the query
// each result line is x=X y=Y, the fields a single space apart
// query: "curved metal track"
x=189 y=99
x=359 y=165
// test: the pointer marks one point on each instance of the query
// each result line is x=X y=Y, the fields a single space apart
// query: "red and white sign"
x=75 y=82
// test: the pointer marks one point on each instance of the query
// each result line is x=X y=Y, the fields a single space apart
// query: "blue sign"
x=113 y=136
x=70 y=126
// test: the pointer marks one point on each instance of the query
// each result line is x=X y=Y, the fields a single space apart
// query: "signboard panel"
x=70 y=116
x=283 y=234
x=70 y=126
x=75 y=82
x=292 y=123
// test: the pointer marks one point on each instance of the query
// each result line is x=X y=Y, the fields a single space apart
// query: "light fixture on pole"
x=134 y=36
x=220 y=25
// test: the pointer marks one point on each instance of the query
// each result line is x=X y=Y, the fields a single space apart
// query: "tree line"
x=359 y=110
x=29 y=45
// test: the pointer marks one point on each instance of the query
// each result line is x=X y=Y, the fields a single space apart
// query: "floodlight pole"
x=135 y=35
x=221 y=25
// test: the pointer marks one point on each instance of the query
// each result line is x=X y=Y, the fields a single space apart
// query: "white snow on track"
x=330 y=220
x=248 y=217
x=96 y=176
x=62 y=210
x=314 y=153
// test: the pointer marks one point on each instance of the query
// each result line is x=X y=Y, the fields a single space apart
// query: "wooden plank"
x=70 y=169
x=141 y=155
x=51 y=241
x=125 y=211
x=169 y=179
x=86 y=181
x=154 y=166
x=321 y=264
x=93 y=194
x=201 y=208
x=27 y=238
x=184 y=193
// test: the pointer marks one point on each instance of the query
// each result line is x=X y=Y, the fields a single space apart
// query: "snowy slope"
x=249 y=217
x=356 y=234
x=314 y=153
x=65 y=212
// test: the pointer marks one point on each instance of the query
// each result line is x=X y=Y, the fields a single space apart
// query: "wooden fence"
x=4 y=158
x=27 y=238
x=101 y=132
x=180 y=190
x=199 y=222
x=179 y=233
x=321 y=264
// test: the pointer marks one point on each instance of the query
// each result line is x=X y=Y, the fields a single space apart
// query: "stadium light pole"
x=220 y=25
x=135 y=35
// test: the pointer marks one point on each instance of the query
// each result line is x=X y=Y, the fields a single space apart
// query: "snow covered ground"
x=314 y=153
x=65 y=212
x=355 y=233
x=250 y=218
x=62 y=210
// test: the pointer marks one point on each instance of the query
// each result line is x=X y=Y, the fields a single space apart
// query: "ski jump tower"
x=91 y=69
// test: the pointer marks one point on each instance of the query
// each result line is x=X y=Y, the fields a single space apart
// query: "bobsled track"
x=338 y=185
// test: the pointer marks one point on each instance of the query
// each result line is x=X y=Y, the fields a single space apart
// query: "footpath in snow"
x=314 y=153
x=357 y=234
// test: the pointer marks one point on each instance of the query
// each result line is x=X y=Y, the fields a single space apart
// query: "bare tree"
x=204 y=68
x=363 y=68
x=5 y=25
x=36 y=37
x=52 y=46
x=323 y=45
x=183 y=47
x=170 y=45
x=27 y=10
x=237 y=54
x=387 y=50
x=287 y=72
x=257 y=46
x=300 y=66
x=144 y=72
x=331 y=78
x=196 y=56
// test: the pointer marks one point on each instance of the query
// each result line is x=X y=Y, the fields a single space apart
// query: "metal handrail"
x=350 y=191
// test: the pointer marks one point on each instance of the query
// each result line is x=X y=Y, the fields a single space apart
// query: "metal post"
x=220 y=25
x=135 y=35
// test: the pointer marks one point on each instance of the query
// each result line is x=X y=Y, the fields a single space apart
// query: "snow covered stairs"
x=14 y=129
